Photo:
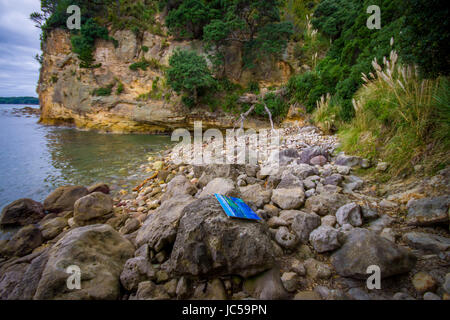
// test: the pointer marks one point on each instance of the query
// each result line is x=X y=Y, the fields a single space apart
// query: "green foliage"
x=143 y=65
x=120 y=88
x=103 y=91
x=277 y=106
x=188 y=73
x=145 y=48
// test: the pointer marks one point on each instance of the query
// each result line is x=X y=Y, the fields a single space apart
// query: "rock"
x=381 y=223
x=427 y=241
x=255 y=196
x=64 y=198
x=304 y=223
x=402 y=296
x=221 y=186
x=160 y=228
x=148 y=290
x=290 y=281
x=298 y=267
x=365 y=164
x=266 y=286
x=446 y=284
x=325 y=203
x=388 y=205
x=99 y=187
x=382 y=166
x=276 y=222
x=182 y=291
x=287 y=156
x=271 y=210
x=329 y=221
x=158 y=165
x=171 y=287
x=289 y=198
x=92 y=208
x=178 y=186
x=364 y=248
x=325 y=239
x=161 y=276
x=289 y=181
x=309 y=193
x=348 y=161
x=213 y=290
x=334 y=180
x=199 y=247
x=53 y=227
x=212 y=171
x=358 y=294
x=251 y=170
x=308 y=154
x=369 y=213
x=431 y=296
x=428 y=211
x=344 y=170
x=100 y=262
x=350 y=213
x=319 y=161
x=135 y=271
x=423 y=282
x=285 y=238
x=21 y=213
x=303 y=171
x=317 y=270
x=307 y=295
x=130 y=226
x=24 y=241
x=353 y=183
x=388 y=234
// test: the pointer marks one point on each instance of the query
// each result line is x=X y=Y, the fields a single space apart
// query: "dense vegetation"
x=19 y=100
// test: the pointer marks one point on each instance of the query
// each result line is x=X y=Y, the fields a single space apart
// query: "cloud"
x=19 y=44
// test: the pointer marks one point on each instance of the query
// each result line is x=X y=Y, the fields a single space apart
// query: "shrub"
x=104 y=91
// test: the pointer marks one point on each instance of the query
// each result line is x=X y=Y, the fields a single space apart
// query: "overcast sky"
x=19 y=43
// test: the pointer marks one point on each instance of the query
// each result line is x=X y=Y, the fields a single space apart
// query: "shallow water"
x=36 y=159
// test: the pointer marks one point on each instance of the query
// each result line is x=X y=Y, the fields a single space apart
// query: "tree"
x=188 y=72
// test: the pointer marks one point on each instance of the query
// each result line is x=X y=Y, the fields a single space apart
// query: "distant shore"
x=19 y=100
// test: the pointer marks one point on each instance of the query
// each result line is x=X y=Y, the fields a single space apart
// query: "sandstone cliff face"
x=65 y=89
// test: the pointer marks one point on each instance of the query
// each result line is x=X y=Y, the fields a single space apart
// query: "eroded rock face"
x=21 y=212
x=160 y=228
x=99 y=251
x=209 y=243
x=364 y=248
x=64 y=198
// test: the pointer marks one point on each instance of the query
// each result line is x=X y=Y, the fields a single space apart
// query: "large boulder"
x=223 y=186
x=64 y=198
x=304 y=223
x=99 y=251
x=93 y=208
x=428 y=211
x=160 y=228
x=21 y=213
x=24 y=241
x=209 y=243
x=363 y=248
x=179 y=185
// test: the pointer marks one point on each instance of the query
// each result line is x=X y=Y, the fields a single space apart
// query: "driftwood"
x=243 y=116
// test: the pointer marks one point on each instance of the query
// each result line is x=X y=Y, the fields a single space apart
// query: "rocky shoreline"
x=323 y=226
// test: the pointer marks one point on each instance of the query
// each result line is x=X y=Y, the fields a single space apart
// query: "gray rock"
x=289 y=181
x=221 y=186
x=135 y=271
x=290 y=281
x=100 y=262
x=334 y=180
x=271 y=210
x=358 y=294
x=353 y=183
x=344 y=170
x=349 y=161
x=148 y=290
x=92 y=209
x=289 y=198
x=350 y=213
x=199 y=247
x=53 y=227
x=428 y=211
x=303 y=171
x=427 y=241
x=402 y=296
x=308 y=154
x=317 y=270
x=309 y=193
x=382 y=166
x=21 y=213
x=325 y=239
x=381 y=223
x=446 y=284
x=369 y=213
x=298 y=267
x=319 y=161
x=255 y=196
x=179 y=186
x=212 y=290
x=64 y=198
x=364 y=248
x=251 y=170
x=304 y=223
x=212 y=171
x=160 y=228
x=266 y=286
x=285 y=238
x=329 y=221
x=276 y=222
x=287 y=156
x=325 y=203
x=431 y=296
x=130 y=226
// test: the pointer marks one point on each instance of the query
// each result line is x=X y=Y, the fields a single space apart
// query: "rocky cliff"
x=66 y=91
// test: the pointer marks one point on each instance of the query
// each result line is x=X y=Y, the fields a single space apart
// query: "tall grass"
x=400 y=118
